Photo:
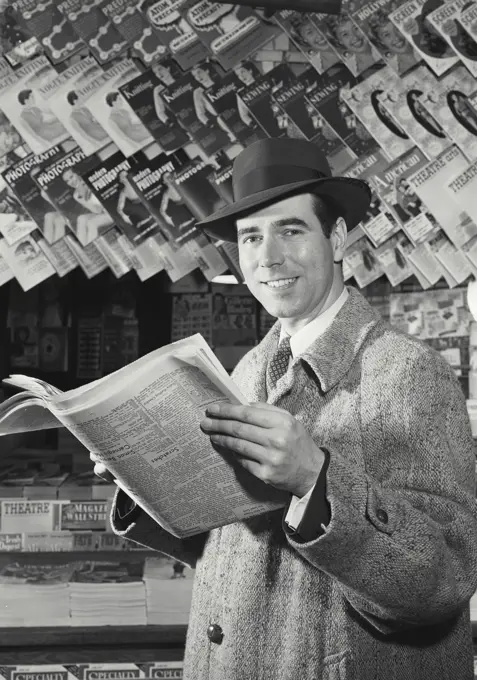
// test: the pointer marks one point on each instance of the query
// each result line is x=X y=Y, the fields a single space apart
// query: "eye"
x=293 y=232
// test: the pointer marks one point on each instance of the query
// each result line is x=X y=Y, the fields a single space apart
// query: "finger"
x=252 y=415
x=103 y=472
x=237 y=429
x=241 y=447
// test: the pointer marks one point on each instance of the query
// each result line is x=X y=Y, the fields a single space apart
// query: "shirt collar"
x=302 y=339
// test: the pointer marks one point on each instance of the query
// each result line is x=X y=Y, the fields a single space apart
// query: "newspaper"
x=411 y=19
x=142 y=423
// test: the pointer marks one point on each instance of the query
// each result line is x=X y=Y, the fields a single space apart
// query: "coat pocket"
x=337 y=667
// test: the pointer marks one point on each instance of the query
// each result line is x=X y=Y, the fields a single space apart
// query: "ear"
x=339 y=236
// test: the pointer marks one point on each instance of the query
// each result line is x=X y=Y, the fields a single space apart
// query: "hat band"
x=271 y=177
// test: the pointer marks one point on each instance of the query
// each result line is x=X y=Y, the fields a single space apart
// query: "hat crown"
x=270 y=163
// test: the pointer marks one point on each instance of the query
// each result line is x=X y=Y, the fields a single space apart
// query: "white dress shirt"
x=299 y=343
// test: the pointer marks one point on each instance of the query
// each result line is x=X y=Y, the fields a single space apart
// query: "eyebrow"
x=277 y=224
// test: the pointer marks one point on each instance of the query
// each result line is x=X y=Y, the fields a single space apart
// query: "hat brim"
x=353 y=195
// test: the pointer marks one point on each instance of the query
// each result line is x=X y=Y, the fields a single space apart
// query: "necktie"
x=278 y=364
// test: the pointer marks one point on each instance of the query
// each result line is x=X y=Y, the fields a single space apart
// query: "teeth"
x=280 y=283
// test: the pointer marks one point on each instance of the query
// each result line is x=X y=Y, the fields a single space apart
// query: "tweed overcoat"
x=383 y=594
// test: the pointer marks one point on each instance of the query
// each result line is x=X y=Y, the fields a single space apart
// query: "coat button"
x=215 y=633
x=382 y=515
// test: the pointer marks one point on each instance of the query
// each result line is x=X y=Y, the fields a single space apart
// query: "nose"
x=271 y=252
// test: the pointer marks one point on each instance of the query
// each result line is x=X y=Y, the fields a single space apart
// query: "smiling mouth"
x=281 y=283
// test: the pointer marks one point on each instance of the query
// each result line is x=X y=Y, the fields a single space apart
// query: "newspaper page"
x=402 y=99
x=230 y=32
x=411 y=20
x=372 y=16
x=188 y=103
x=144 y=426
x=131 y=22
x=109 y=107
x=430 y=182
x=175 y=32
x=348 y=40
x=27 y=110
x=95 y=29
x=291 y=98
x=364 y=100
x=18 y=178
x=447 y=100
x=88 y=257
x=306 y=35
x=67 y=103
x=445 y=20
x=27 y=261
x=53 y=31
x=392 y=184
x=144 y=95
x=325 y=97
x=224 y=98
x=191 y=313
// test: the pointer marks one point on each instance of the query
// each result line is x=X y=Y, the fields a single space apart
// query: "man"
x=369 y=571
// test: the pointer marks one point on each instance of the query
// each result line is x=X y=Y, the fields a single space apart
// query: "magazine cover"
x=291 y=99
x=221 y=180
x=112 y=112
x=144 y=95
x=225 y=100
x=88 y=257
x=18 y=177
x=230 y=33
x=26 y=109
x=456 y=266
x=447 y=99
x=393 y=263
x=17 y=43
x=67 y=103
x=306 y=35
x=167 y=70
x=411 y=20
x=144 y=259
x=429 y=184
x=10 y=138
x=348 y=40
x=187 y=102
x=60 y=256
x=363 y=100
x=325 y=96
x=15 y=222
x=27 y=261
x=62 y=182
x=96 y=31
x=364 y=265
x=372 y=16
x=445 y=20
x=466 y=19
x=258 y=98
x=53 y=31
x=400 y=98
x=175 y=32
x=379 y=223
x=131 y=23
x=416 y=221
x=110 y=247
x=463 y=191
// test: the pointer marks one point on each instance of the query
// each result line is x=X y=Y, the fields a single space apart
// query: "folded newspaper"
x=142 y=423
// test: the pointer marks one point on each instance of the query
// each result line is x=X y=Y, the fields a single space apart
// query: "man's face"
x=284 y=242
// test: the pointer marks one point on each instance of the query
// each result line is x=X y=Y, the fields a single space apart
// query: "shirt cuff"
x=297 y=509
x=316 y=512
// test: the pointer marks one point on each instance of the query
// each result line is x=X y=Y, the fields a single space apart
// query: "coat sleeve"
x=145 y=531
x=402 y=540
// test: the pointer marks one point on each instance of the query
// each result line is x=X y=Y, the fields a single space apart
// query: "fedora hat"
x=271 y=170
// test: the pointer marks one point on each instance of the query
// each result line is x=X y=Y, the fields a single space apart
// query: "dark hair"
x=23 y=96
x=72 y=98
x=327 y=211
x=111 y=98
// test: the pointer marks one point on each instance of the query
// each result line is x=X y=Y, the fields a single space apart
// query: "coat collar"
x=330 y=356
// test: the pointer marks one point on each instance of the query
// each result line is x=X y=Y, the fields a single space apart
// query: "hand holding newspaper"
x=142 y=423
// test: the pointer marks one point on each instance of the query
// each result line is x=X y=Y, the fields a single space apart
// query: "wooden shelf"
x=136 y=637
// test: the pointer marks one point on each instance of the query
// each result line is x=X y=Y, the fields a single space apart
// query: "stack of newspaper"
x=168 y=591
x=35 y=594
x=108 y=594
